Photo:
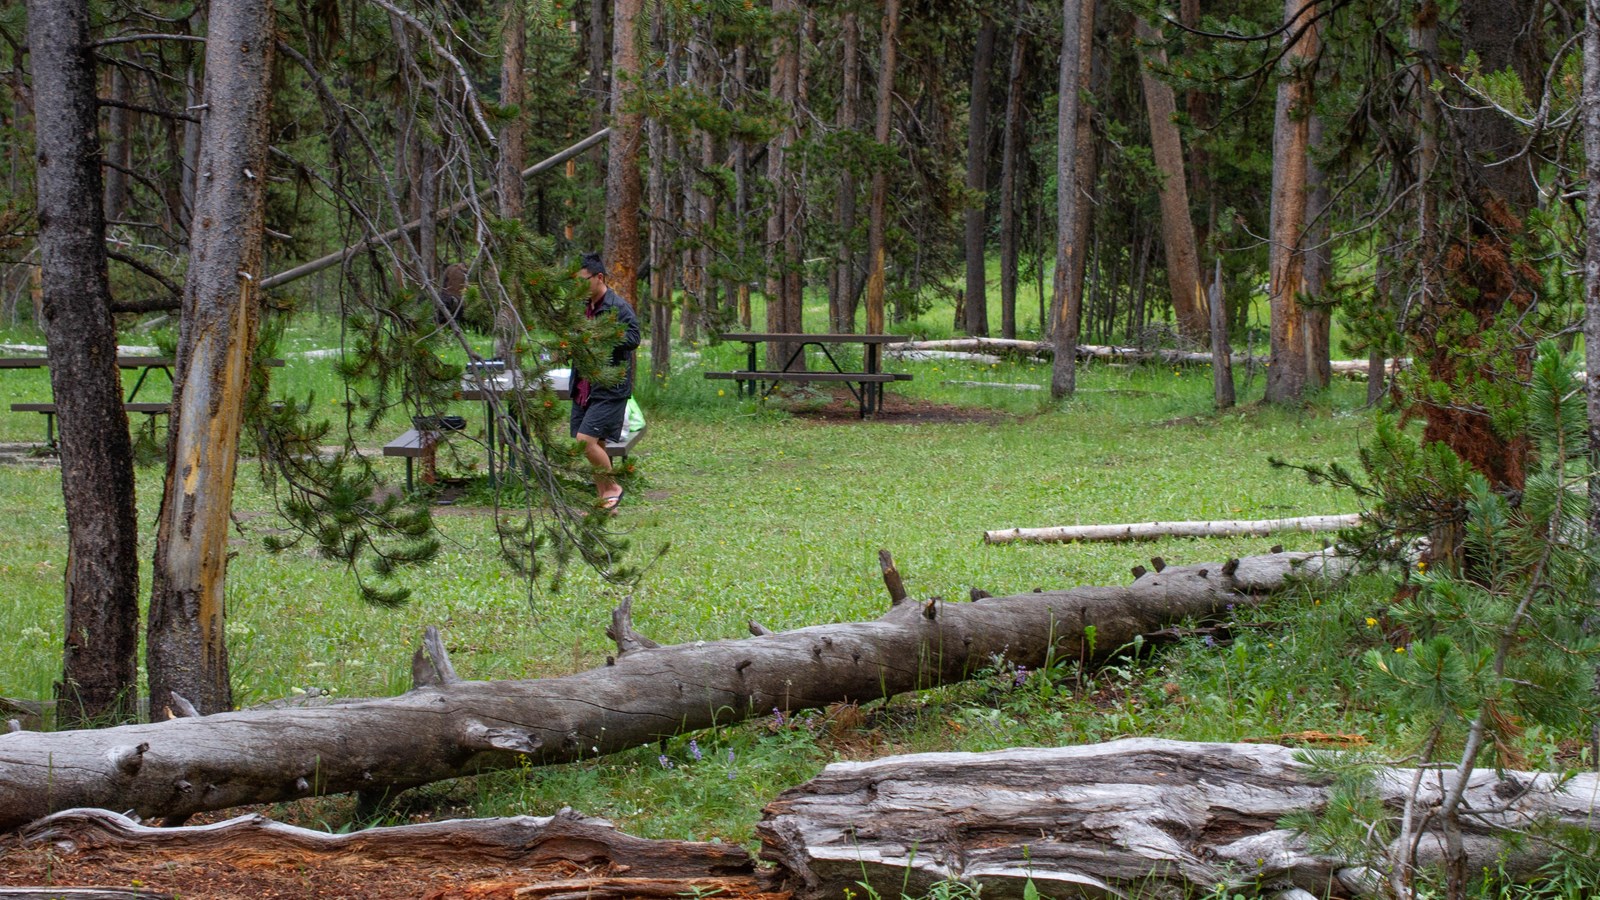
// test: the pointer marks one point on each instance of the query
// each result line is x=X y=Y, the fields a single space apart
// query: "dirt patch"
x=837 y=406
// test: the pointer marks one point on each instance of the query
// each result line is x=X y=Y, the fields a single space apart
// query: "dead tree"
x=445 y=728
x=1138 y=817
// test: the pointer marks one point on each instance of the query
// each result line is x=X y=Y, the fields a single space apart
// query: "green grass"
x=779 y=519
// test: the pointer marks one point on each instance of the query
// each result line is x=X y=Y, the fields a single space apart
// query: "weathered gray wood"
x=1138 y=817
x=526 y=840
x=435 y=732
x=80 y=894
x=1146 y=531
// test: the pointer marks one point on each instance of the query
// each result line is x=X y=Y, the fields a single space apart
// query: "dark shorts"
x=601 y=419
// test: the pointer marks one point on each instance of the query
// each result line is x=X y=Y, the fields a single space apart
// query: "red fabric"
x=590 y=310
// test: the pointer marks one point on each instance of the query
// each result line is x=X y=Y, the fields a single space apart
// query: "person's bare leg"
x=604 y=484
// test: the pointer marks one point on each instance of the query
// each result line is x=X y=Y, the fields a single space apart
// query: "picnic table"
x=866 y=384
x=145 y=365
x=489 y=386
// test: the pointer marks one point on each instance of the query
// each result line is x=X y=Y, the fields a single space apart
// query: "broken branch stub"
x=422 y=736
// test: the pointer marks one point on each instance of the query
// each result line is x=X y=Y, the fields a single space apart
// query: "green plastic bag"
x=633 y=419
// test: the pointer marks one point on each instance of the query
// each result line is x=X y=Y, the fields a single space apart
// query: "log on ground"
x=522 y=856
x=1138 y=817
x=447 y=728
x=1149 y=531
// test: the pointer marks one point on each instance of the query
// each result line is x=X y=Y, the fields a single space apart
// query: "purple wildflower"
x=1021 y=677
x=1209 y=641
x=694 y=750
x=665 y=763
x=777 y=717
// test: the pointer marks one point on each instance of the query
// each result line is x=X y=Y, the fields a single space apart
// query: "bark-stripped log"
x=439 y=731
x=1149 y=531
x=1101 y=353
x=1139 y=817
x=524 y=840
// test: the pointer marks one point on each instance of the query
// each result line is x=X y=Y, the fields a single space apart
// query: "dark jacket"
x=622 y=354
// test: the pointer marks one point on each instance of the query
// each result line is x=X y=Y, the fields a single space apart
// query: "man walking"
x=598 y=411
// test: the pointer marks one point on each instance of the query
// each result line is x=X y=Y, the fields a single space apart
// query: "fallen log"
x=1149 y=531
x=1355 y=368
x=1138 y=817
x=446 y=728
x=565 y=854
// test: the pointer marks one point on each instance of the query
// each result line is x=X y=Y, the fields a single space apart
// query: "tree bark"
x=623 y=182
x=1286 y=369
x=186 y=643
x=1591 y=256
x=119 y=147
x=1010 y=160
x=841 y=285
x=1318 y=268
x=444 y=728
x=513 y=55
x=1177 y=227
x=1147 y=531
x=1138 y=817
x=784 y=266
x=876 y=213
x=662 y=262
x=1067 y=306
x=99 y=664
x=977 y=218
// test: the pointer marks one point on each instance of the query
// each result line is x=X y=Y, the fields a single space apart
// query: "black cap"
x=592 y=264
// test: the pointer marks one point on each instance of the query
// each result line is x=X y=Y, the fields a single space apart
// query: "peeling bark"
x=186 y=645
x=446 y=730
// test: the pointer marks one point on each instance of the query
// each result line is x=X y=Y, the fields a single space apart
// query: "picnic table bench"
x=491 y=387
x=866 y=384
x=416 y=444
x=145 y=365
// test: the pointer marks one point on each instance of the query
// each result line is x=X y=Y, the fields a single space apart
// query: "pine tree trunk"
x=1177 y=226
x=1198 y=105
x=977 y=212
x=783 y=221
x=1071 y=199
x=841 y=286
x=1318 y=269
x=1591 y=257
x=513 y=55
x=880 y=177
x=596 y=49
x=662 y=262
x=99 y=666
x=186 y=642
x=119 y=146
x=623 y=182
x=1010 y=160
x=1286 y=369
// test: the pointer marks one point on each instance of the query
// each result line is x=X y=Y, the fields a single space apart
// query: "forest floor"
x=233 y=874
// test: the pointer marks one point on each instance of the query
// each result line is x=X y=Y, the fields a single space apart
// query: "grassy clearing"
x=779 y=518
